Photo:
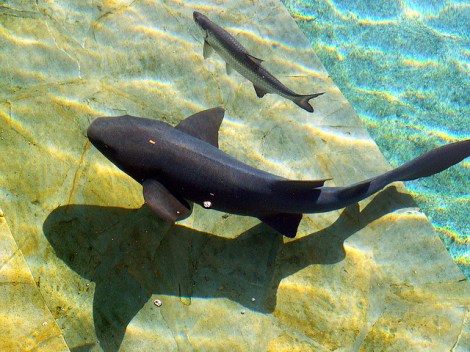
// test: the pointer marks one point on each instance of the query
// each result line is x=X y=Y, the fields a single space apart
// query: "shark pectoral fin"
x=254 y=59
x=163 y=203
x=260 y=92
x=229 y=69
x=354 y=190
x=283 y=223
x=207 y=49
x=204 y=125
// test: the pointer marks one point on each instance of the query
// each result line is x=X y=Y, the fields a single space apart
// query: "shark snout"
x=95 y=130
x=102 y=135
x=196 y=15
x=200 y=19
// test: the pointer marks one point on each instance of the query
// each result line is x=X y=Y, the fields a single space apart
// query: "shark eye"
x=109 y=149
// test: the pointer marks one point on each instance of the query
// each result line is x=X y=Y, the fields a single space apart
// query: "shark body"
x=181 y=165
x=237 y=57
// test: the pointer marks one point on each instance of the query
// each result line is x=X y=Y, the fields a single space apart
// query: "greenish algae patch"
x=102 y=261
x=27 y=323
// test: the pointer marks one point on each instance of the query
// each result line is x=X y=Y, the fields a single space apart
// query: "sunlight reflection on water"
x=404 y=66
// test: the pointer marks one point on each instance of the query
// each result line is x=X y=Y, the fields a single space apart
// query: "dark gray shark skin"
x=238 y=58
x=181 y=165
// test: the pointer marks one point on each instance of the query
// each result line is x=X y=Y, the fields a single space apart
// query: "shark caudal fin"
x=302 y=101
x=428 y=164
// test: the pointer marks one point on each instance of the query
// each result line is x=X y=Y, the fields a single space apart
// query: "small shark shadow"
x=131 y=254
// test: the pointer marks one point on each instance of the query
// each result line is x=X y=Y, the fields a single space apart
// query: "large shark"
x=238 y=58
x=181 y=165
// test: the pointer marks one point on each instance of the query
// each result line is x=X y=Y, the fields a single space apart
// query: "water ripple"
x=404 y=66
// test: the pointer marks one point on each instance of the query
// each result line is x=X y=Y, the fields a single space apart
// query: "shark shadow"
x=130 y=254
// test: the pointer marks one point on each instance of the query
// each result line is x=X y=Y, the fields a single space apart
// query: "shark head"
x=127 y=141
x=100 y=134
x=201 y=20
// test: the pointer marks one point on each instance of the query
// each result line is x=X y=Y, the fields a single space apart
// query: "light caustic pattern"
x=97 y=262
x=405 y=68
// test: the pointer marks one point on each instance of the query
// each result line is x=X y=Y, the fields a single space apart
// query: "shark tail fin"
x=302 y=101
x=430 y=163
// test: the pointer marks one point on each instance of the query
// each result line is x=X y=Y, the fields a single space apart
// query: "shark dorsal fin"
x=255 y=60
x=204 y=125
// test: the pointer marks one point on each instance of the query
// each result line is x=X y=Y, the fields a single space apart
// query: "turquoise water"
x=405 y=68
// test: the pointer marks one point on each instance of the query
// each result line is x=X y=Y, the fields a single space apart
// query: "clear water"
x=405 y=67
x=84 y=267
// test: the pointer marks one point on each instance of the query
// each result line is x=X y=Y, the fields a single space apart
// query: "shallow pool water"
x=85 y=266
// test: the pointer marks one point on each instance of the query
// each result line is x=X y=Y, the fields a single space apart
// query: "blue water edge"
x=405 y=68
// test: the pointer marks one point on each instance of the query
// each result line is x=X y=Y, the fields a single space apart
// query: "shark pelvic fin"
x=163 y=203
x=204 y=125
x=254 y=59
x=207 y=49
x=260 y=92
x=286 y=224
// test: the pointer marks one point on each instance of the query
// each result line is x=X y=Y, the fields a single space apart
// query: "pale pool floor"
x=81 y=265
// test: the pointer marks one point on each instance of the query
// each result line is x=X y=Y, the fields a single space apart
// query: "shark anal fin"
x=354 y=190
x=253 y=59
x=284 y=223
x=163 y=203
x=204 y=125
x=260 y=92
x=207 y=49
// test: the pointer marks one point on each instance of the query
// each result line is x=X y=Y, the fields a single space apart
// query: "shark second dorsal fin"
x=204 y=125
x=295 y=187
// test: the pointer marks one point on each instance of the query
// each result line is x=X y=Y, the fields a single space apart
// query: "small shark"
x=238 y=58
x=182 y=165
